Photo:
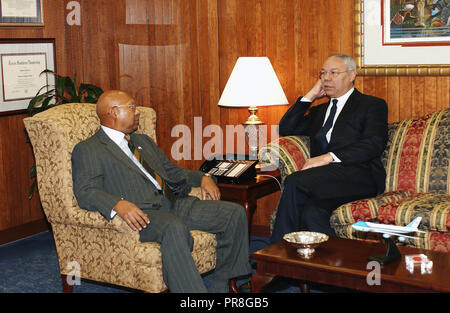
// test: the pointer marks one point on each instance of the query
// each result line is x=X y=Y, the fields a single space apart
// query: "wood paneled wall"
x=176 y=56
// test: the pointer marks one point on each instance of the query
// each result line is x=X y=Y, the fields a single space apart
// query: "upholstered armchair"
x=108 y=252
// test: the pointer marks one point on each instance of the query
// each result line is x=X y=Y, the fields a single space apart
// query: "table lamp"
x=252 y=83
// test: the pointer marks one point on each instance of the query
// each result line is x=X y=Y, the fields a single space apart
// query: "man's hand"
x=210 y=188
x=131 y=214
x=316 y=92
x=320 y=160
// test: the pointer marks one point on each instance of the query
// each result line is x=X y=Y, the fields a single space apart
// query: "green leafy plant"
x=65 y=90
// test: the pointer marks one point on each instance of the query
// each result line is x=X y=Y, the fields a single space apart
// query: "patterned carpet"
x=30 y=266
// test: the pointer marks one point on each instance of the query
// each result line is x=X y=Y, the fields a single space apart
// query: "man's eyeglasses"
x=333 y=74
x=130 y=106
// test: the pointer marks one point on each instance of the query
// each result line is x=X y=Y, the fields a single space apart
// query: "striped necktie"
x=165 y=189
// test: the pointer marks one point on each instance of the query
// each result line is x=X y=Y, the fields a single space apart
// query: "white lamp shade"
x=252 y=82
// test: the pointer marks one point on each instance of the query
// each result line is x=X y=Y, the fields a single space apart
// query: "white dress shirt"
x=339 y=106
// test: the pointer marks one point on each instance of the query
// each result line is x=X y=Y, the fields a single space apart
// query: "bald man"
x=108 y=178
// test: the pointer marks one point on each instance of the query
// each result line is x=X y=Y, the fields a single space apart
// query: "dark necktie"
x=322 y=133
x=165 y=189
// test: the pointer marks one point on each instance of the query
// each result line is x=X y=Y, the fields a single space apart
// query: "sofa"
x=416 y=160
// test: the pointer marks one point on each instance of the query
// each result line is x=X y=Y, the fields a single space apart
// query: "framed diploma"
x=21 y=13
x=21 y=64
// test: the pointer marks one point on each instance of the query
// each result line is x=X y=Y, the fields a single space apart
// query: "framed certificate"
x=21 y=13
x=21 y=64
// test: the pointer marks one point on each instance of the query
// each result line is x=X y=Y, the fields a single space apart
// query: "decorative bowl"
x=305 y=241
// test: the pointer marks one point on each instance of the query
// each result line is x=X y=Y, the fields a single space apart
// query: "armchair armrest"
x=196 y=192
x=83 y=218
x=288 y=154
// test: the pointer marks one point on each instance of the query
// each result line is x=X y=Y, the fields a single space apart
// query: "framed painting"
x=21 y=63
x=21 y=13
x=402 y=37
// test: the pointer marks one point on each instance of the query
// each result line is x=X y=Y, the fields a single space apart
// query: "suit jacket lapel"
x=117 y=152
x=149 y=157
x=349 y=107
x=321 y=111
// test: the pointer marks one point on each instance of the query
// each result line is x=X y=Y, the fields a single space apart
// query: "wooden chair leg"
x=66 y=287
x=233 y=287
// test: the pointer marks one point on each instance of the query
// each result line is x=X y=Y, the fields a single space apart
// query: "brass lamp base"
x=253 y=119
x=253 y=132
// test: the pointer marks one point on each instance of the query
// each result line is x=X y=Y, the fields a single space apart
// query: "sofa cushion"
x=399 y=208
x=436 y=241
x=417 y=154
x=433 y=208
x=365 y=209
x=431 y=240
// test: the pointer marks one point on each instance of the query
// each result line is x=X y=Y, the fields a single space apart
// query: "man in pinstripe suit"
x=108 y=178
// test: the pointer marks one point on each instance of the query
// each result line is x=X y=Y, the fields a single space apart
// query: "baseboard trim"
x=22 y=231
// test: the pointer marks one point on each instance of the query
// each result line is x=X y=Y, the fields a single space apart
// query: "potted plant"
x=65 y=90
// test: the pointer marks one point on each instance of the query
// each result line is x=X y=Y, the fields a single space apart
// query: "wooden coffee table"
x=343 y=262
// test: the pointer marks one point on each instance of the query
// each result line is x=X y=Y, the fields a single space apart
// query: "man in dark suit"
x=347 y=137
x=109 y=179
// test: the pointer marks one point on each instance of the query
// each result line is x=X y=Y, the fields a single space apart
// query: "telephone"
x=232 y=171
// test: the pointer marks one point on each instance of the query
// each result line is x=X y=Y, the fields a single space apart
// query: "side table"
x=247 y=193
